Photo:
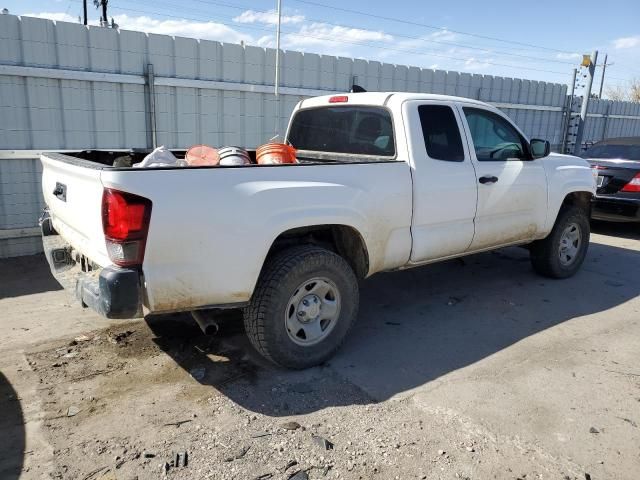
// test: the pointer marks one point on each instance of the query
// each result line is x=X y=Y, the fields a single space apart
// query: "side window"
x=493 y=137
x=441 y=133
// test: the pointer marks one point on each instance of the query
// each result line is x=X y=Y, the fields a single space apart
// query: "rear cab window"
x=353 y=129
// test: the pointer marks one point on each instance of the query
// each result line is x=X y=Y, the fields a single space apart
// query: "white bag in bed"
x=160 y=157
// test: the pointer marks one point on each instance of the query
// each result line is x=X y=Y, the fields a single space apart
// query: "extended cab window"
x=493 y=137
x=441 y=133
x=345 y=129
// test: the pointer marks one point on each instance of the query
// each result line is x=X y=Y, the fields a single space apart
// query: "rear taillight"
x=125 y=222
x=633 y=185
x=338 y=99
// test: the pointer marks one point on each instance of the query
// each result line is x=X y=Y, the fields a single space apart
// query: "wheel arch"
x=344 y=240
x=578 y=198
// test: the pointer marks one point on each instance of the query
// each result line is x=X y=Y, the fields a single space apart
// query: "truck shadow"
x=14 y=281
x=12 y=438
x=413 y=328
x=629 y=230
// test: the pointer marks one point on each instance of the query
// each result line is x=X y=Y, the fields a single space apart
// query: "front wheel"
x=561 y=254
x=303 y=306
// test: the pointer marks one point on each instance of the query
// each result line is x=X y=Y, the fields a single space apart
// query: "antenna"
x=277 y=80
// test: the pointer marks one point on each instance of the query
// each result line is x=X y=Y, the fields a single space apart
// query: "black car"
x=617 y=162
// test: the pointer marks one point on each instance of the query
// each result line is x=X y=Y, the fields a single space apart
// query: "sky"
x=541 y=40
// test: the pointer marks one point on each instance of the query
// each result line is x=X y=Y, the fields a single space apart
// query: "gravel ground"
x=474 y=369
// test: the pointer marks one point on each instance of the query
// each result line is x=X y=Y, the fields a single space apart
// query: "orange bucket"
x=275 y=153
x=202 y=155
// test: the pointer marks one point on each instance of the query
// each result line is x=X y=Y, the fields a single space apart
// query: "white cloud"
x=626 y=42
x=183 y=28
x=180 y=28
x=568 y=56
x=474 y=64
x=427 y=48
x=322 y=34
x=270 y=17
x=443 y=35
x=57 y=16
x=334 y=40
x=267 y=41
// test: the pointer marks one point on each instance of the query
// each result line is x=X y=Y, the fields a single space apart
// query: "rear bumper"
x=111 y=291
x=616 y=209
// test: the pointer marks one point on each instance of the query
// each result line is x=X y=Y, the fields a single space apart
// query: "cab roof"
x=382 y=98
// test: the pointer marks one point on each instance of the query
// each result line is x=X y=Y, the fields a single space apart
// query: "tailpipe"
x=206 y=323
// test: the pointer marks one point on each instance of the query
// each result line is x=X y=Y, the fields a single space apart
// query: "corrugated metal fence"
x=609 y=119
x=67 y=86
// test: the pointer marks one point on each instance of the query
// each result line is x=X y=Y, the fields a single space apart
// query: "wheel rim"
x=312 y=311
x=570 y=243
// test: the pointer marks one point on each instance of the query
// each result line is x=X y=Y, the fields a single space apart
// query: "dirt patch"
x=159 y=399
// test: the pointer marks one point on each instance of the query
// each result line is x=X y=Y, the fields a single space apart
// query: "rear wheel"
x=561 y=254
x=304 y=304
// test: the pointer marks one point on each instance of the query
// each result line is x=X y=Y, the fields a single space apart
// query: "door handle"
x=488 y=179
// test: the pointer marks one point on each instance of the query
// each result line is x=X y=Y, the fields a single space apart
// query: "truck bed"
x=107 y=159
x=212 y=227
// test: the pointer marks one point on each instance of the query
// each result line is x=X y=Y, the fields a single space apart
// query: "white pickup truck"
x=384 y=181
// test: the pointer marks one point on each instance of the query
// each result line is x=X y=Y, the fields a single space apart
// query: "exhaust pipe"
x=206 y=324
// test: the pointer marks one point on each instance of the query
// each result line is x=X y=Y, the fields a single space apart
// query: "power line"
x=349 y=41
x=346 y=40
x=497 y=52
x=431 y=53
x=433 y=27
x=395 y=34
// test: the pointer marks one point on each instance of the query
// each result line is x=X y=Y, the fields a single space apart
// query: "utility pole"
x=84 y=11
x=567 y=120
x=104 y=20
x=604 y=69
x=590 y=63
x=277 y=79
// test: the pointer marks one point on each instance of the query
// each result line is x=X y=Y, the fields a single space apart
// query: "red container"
x=202 y=155
x=275 y=153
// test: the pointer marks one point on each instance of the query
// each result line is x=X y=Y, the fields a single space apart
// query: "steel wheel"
x=570 y=243
x=312 y=311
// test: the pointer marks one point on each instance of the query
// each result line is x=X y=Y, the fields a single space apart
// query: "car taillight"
x=125 y=222
x=633 y=185
x=338 y=99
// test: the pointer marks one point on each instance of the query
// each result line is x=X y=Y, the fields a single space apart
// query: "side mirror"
x=539 y=148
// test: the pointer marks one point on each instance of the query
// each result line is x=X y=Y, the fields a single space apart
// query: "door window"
x=441 y=133
x=494 y=138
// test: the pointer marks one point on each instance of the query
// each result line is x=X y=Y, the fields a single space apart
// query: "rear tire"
x=561 y=254
x=304 y=304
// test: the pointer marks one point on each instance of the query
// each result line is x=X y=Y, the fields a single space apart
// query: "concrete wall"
x=67 y=86
x=20 y=206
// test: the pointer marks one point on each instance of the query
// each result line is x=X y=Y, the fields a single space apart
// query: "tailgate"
x=72 y=190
